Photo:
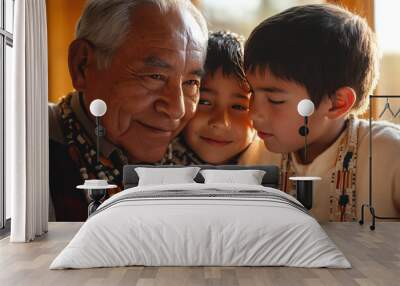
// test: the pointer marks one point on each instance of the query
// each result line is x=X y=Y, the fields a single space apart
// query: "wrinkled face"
x=152 y=85
x=273 y=109
x=221 y=128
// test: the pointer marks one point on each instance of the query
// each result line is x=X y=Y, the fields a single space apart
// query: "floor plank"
x=374 y=255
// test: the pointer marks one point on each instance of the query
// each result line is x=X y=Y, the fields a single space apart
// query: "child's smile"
x=214 y=141
x=221 y=128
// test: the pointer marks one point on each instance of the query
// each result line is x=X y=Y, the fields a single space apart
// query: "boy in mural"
x=221 y=128
x=329 y=55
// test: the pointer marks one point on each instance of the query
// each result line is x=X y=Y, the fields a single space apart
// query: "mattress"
x=201 y=225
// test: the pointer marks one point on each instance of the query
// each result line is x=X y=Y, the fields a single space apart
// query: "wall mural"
x=179 y=94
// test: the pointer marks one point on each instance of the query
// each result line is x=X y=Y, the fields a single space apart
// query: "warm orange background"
x=62 y=16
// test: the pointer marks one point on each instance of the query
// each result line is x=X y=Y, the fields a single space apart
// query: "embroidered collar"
x=343 y=178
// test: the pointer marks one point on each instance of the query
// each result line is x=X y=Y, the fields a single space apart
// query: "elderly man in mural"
x=145 y=59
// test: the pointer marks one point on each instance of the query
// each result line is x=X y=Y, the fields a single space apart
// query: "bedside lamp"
x=97 y=188
x=304 y=185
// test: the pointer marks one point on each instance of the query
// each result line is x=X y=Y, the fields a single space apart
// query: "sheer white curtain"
x=27 y=124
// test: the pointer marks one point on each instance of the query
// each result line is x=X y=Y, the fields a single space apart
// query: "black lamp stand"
x=100 y=131
x=96 y=195
x=304 y=188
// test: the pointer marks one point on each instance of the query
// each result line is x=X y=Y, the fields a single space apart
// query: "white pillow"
x=162 y=176
x=248 y=177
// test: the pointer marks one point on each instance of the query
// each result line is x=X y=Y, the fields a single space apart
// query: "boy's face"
x=221 y=127
x=273 y=109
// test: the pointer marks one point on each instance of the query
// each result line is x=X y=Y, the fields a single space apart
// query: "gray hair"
x=105 y=23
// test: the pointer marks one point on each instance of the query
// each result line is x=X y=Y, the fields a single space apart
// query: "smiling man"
x=145 y=59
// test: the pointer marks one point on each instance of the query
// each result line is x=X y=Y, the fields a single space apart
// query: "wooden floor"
x=375 y=256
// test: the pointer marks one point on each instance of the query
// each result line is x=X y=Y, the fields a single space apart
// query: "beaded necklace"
x=342 y=197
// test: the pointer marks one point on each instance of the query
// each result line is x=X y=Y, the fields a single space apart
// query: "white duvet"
x=183 y=231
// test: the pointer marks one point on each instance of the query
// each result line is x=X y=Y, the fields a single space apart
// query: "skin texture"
x=273 y=109
x=221 y=128
x=151 y=87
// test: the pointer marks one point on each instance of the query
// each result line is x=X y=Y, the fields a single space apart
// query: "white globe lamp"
x=98 y=108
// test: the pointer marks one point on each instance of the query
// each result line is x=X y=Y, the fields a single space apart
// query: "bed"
x=201 y=224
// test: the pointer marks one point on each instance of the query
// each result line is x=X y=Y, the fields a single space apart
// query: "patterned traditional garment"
x=83 y=152
x=179 y=153
x=342 y=193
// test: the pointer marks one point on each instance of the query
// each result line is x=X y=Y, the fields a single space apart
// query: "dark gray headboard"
x=270 y=179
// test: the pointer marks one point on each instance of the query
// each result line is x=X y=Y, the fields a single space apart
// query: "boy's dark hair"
x=321 y=47
x=225 y=50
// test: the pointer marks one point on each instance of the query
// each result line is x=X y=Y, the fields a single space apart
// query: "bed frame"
x=270 y=179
